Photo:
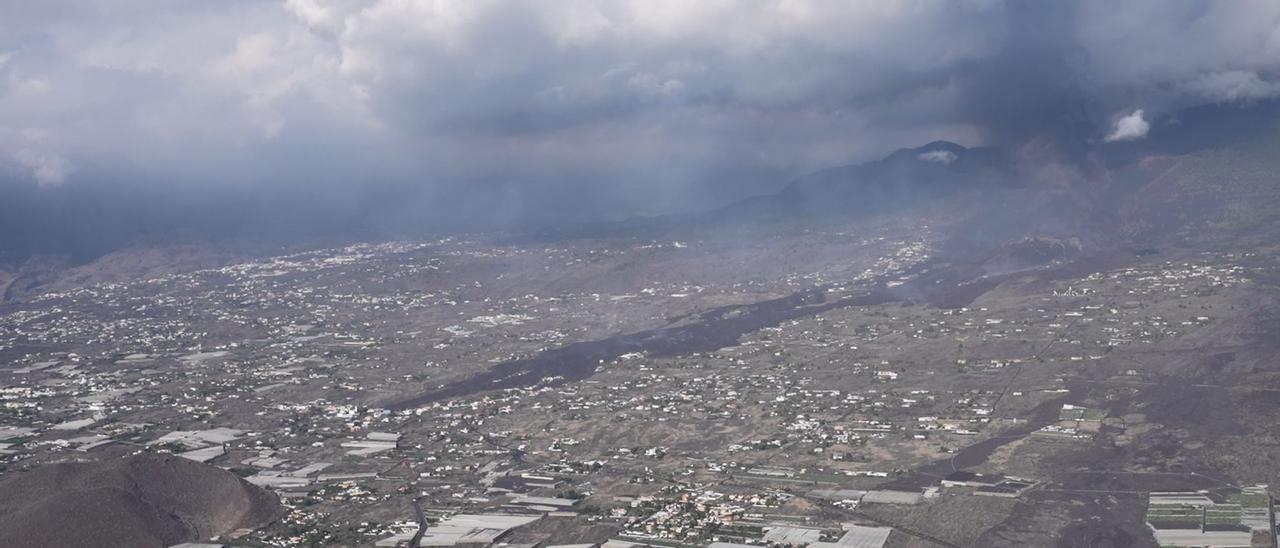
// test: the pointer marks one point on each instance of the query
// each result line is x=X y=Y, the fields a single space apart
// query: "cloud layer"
x=644 y=101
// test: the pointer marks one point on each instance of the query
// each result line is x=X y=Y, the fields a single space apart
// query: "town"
x=894 y=423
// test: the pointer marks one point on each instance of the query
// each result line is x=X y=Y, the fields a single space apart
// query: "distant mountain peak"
x=942 y=145
x=937 y=152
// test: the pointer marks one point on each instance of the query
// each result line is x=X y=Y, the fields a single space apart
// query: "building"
x=858 y=536
x=1194 y=519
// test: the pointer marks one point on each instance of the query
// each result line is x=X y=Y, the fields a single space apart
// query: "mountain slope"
x=906 y=178
x=139 y=501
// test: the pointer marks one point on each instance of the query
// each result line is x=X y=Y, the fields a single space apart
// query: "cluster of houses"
x=277 y=370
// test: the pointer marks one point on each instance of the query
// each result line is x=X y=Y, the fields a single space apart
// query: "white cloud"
x=319 y=14
x=1233 y=85
x=1129 y=128
x=47 y=168
x=943 y=157
x=651 y=85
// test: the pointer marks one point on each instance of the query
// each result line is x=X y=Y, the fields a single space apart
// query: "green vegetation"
x=1250 y=500
x=1094 y=415
x=1223 y=514
x=1173 y=514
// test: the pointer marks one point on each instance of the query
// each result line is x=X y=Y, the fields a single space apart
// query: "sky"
x=482 y=110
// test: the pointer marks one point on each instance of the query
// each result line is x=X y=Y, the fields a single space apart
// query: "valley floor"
x=837 y=384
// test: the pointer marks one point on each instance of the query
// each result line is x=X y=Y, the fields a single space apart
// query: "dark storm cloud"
x=1074 y=70
x=642 y=105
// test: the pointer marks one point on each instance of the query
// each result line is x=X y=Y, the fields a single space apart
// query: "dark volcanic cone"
x=139 y=501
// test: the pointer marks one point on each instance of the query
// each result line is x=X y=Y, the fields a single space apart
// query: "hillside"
x=140 y=501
